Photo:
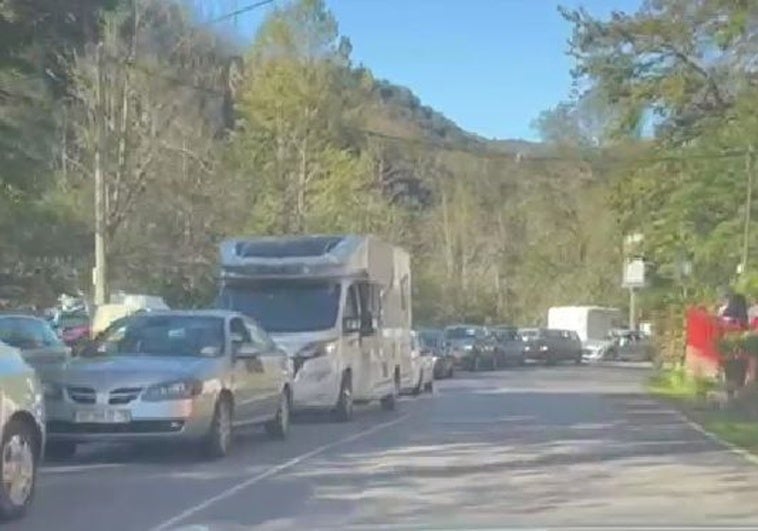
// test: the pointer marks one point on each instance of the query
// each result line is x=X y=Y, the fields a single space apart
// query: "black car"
x=509 y=346
x=551 y=346
x=470 y=346
x=434 y=341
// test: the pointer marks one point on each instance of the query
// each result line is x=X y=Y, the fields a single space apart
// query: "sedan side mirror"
x=246 y=351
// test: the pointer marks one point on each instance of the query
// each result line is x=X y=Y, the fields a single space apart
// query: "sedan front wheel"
x=18 y=469
x=218 y=441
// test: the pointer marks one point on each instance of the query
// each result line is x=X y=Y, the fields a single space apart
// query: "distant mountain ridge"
x=411 y=118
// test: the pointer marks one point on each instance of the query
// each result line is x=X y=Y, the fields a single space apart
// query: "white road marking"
x=231 y=491
x=77 y=468
x=733 y=448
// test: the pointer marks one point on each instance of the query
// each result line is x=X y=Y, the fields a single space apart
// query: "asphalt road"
x=530 y=447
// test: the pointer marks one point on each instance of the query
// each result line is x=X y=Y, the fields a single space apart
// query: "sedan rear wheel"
x=279 y=427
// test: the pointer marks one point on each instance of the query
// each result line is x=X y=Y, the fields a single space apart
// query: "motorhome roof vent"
x=288 y=248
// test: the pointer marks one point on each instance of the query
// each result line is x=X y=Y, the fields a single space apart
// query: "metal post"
x=100 y=273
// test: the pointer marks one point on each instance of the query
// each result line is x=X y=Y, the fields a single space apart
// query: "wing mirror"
x=351 y=325
x=367 y=324
x=246 y=351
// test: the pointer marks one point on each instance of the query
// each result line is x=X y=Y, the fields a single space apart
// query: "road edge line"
x=234 y=489
x=733 y=448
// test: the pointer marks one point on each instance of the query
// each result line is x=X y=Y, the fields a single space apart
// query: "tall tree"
x=293 y=145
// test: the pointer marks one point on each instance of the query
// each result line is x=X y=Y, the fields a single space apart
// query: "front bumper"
x=171 y=419
x=316 y=385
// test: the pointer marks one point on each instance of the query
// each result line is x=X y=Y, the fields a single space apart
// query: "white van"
x=339 y=305
x=121 y=305
x=593 y=324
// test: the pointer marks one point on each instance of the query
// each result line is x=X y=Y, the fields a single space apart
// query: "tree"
x=293 y=145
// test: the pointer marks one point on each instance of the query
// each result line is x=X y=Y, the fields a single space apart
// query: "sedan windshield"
x=164 y=335
x=285 y=306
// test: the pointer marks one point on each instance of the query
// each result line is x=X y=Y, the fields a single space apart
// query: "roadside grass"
x=738 y=431
x=734 y=423
x=678 y=385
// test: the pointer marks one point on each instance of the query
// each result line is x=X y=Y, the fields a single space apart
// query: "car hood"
x=108 y=372
x=292 y=343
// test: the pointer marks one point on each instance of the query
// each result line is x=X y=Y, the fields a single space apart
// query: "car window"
x=351 y=304
x=259 y=337
x=162 y=335
x=27 y=333
x=236 y=326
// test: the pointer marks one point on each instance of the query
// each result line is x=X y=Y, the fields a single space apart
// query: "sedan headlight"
x=178 y=390
x=52 y=391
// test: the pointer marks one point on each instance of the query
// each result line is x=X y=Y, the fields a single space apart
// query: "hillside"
x=403 y=112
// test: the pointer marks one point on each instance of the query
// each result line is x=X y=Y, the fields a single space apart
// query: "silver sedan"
x=171 y=375
x=23 y=432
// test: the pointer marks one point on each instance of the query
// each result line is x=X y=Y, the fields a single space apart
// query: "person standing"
x=734 y=308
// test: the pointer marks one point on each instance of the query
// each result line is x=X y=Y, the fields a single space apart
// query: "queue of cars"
x=475 y=347
x=301 y=323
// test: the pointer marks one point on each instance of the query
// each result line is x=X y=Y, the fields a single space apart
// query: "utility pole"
x=632 y=309
x=100 y=273
x=748 y=209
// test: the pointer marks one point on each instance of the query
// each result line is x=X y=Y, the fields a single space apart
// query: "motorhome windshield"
x=285 y=306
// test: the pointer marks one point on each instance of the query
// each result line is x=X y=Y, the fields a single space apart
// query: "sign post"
x=633 y=277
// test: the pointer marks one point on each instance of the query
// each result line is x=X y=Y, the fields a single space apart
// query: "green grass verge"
x=676 y=384
x=688 y=395
x=738 y=431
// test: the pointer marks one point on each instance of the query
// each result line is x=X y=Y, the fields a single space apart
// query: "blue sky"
x=489 y=65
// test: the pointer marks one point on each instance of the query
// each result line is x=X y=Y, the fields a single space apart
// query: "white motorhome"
x=593 y=324
x=339 y=305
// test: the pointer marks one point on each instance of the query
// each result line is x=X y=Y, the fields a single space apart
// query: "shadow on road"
x=506 y=456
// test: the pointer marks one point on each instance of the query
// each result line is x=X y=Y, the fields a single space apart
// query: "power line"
x=481 y=151
x=240 y=11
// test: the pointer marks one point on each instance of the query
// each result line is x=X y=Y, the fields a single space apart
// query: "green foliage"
x=497 y=231
x=678 y=384
x=684 y=66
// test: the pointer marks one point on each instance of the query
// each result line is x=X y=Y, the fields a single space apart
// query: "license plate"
x=103 y=416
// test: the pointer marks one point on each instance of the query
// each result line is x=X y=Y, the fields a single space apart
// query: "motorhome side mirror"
x=367 y=325
x=351 y=325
